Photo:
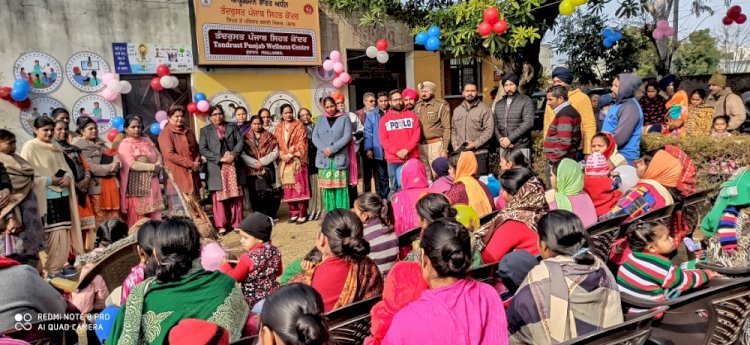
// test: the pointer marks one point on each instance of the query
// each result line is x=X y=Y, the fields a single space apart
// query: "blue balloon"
x=104 y=322
x=421 y=38
x=608 y=42
x=120 y=128
x=616 y=36
x=433 y=44
x=155 y=128
x=200 y=96
x=19 y=95
x=21 y=85
x=607 y=32
x=118 y=122
x=434 y=31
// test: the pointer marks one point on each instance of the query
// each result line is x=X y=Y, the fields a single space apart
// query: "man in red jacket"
x=399 y=135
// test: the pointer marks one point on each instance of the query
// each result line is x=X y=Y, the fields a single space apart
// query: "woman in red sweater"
x=524 y=195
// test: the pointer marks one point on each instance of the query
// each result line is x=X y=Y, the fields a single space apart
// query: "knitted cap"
x=440 y=166
x=258 y=225
x=718 y=80
x=597 y=165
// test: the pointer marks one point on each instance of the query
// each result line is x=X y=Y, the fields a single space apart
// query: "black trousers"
x=381 y=177
x=368 y=172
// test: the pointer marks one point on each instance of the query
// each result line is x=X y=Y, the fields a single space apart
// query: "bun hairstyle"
x=563 y=233
x=447 y=244
x=516 y=157
x=375 y=206
x=433 y=206
x=513 y=179
x=641 y=234
x=82 y=122
x=176 y=245
x=147 y=241
x=344 y=232
x=295 y=314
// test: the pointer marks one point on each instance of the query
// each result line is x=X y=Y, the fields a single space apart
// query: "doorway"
x=369 y=75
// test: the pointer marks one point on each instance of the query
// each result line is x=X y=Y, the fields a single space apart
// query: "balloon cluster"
x=567 y=7
x=610 y=37
x=492 y=23
x=334 y=64
x=378 y=51
x=430 y=39
x=118 y=126
x=18 y=94
x=114 y=87
x=734 y=15
x=199 y=105
x=663 y=30
x=164 y=80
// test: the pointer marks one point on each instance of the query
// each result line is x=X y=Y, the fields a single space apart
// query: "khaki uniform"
x=435 y=123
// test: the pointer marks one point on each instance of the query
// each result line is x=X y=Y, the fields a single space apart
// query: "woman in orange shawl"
x=292 y=138
x=466 y=188
x=676 y=108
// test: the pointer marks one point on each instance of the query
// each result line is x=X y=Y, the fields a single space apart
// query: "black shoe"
x=302 y=220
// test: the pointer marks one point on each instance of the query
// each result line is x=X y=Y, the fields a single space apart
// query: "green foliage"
x=698 y=55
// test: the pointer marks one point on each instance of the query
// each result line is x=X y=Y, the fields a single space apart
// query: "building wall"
x=428 y=66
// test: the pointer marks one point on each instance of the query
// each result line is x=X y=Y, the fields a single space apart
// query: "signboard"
x=142 y=58
x=256 y=32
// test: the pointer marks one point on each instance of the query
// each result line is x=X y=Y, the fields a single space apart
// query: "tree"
x=698 y=55
x=732 y=40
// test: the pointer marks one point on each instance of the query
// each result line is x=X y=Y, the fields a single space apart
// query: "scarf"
x=73 y=158
x=686 y=186
x=46 y=159
x=6 y=262
x=665 y=169
x=569 y=183
x=295 y=145
x=244 y=127
x=403 y=285
x=611 y=151
x=677 y=106
x=414 y=186
x=735 y=192
x=21 y=177
x=264 y=146
x=465 y=170
x=363 y=281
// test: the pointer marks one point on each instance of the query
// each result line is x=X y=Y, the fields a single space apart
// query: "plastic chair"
x=483 y=273
x=694 y=207
x=712 y=315
x=662 y=215
x=634 y=331
x=113 y=268
x=602 y=235
x=488 y=217
x=351 y=324
x=407 y=238
x=734 y=272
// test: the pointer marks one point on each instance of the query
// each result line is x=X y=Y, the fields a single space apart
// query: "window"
x=144 y=101
x=462 y=71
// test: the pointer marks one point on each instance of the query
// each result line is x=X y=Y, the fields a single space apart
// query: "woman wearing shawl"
x=243 y=125
x=55 y=195
x=332 y=136
x=676 y=107
x=104 y=166
x=605 y=144
x=700 y=115
x=180 y=289
x=455 y=309
x=140 y=193
x=315 y=208
x=443 y=181
x=569 y=294
x=82 y=178
x=515 y=226
x=566 y=180
x=180 y=149
x=260 y=153
x=466 y=188
x=414 y=185
x=292 y=138
x=220 y=142
x=727 y=225
x=345 y=274
x=24 y=233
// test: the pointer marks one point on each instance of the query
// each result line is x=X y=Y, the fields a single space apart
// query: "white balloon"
x=125 y=87
x=371 y=52
x=165 y=82
x=383 y=57
x=114 y=86
x=175 y=82
x=629 y=177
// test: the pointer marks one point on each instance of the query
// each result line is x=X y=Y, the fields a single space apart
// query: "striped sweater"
x=653 y=277
x=563 y=135
x=383 y=245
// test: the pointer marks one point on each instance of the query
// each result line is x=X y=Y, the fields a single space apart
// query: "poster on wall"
x=256 y=32
x=276 y=99
x=322 y=91
x=142 y=58
x=40 y=106
x=41 y=70
x=85 y=71
x=229 y=101
x=97 y=108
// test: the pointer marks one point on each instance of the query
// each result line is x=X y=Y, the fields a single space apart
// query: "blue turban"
x=563 y=74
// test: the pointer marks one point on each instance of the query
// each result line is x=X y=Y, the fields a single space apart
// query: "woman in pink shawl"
x=414 y=185
x=455 y=309
x=140 y=192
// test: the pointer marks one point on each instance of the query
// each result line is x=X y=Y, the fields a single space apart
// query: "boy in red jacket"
x=399 y=135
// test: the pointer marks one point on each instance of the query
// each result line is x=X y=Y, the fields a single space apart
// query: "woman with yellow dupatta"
x=467 y=189
x=292 y=138
x=55 y=193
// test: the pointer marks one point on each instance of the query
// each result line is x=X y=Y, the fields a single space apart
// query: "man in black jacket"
x=514 y=117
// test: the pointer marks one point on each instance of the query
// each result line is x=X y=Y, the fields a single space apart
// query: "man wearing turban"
x=514 y=117
x=435 y=121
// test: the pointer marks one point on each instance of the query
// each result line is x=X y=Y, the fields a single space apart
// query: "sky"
x=688 y=22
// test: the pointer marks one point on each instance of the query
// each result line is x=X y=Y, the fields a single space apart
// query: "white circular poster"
x=41 y=70
x=324 y=90
x=276 y=99
x=40 y=106
x=85 y=71
x=97 y=108
x=229 y=101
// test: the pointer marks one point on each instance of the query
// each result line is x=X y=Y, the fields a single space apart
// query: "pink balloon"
x=328 y=65
x=657 y=34
x=109 y=76
x=346 y=78
x=163 y=123
x=109 y=95
x=335 y=56
x=337 y=83
x=211 y=256
x=203 y=106
x=338 y=67
x=161 y=115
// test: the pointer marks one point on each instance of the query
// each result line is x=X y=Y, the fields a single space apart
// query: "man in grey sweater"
x=472 y=127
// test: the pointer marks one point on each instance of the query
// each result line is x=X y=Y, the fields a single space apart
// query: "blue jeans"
x=393 y=184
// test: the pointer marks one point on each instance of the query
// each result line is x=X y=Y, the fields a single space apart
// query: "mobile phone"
x=60 y=173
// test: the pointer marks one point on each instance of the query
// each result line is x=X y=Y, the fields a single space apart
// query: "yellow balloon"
x=467 y=216
x=577 y=3
x=566 y=8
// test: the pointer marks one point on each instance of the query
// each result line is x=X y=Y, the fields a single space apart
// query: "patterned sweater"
x=383 y=245
x=563 y=135
x=653 y=277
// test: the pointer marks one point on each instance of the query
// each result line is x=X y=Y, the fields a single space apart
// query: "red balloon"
x=156 y=84
x=740 y=19
x=26 y=103
x=382 y=45
x=734 y=11
x=162 y=70
x=491 y=15
x=727 y=20
x=500 y=27
x=112 y=134
x=5 y=92
x=484 y=29
x=192 y=107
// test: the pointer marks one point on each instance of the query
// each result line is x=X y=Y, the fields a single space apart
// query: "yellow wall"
x=428 y=66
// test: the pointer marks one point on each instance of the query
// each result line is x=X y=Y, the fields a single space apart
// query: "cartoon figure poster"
x=142 y=58
x=41 y=70
x=40 y=106
x=85 y=71
x=97 y=108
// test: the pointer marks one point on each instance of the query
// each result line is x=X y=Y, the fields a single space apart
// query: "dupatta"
x=129 y=150
x=295 y=145
x=21 y=177
x=466 y=168
x=363 y=281
x=266 y=144
x=415 y=185
x=569 y=178
x=664 y=169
